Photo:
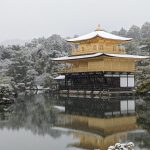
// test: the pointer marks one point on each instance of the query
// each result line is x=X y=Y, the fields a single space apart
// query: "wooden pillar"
x=65 y=81
x=88 y=81
x=127 y=79
x=71 y=82
x=111 y=80
x=127 y=107
x=103 y=81
x=119 y=80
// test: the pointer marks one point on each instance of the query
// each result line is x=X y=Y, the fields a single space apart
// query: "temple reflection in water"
x=75 y=122
x=99 y=123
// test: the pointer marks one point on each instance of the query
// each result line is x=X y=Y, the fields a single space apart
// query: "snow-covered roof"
x=99 y=33
x=98 y=55
x=60 y=77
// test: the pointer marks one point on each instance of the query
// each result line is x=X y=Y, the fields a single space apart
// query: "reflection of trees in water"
x=33 y=113
x=143 y=120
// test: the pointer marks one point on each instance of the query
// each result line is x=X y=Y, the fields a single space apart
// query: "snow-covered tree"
x=145 y=30
x=134 y=32
x=122 y=32
x=31 y=64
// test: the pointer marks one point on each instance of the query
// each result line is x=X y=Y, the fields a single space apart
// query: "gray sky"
x=27 y=19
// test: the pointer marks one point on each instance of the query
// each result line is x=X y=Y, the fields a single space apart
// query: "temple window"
x=100 y=47
x=82 y=48
x=95 y=47
x=114 y=48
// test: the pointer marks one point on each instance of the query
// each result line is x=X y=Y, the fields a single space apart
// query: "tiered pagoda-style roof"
x=101 y=34
x=98 y=39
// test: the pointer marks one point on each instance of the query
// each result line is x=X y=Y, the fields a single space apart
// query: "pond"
x=45 y=122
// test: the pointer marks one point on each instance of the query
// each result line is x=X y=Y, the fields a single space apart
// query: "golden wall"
x=98 y=45
x=103 y=64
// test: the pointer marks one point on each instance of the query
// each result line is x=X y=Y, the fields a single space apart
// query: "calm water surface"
x=44 y=122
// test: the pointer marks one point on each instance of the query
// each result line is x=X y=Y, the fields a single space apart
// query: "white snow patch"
x=61 y=77
x=60 y=108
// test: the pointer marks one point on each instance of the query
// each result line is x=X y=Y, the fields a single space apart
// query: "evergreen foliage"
x=31 y=65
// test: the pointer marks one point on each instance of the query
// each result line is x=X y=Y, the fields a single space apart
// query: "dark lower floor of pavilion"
x=97 y=81
x=93 y=107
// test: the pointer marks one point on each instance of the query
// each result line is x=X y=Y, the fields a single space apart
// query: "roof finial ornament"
x=98 y=28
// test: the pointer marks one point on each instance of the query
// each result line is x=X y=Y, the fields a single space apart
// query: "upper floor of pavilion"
x=99 y=41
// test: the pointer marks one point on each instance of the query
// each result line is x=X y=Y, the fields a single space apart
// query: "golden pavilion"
x=99 y=63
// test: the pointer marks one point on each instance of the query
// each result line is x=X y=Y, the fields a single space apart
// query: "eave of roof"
x=89 y=56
